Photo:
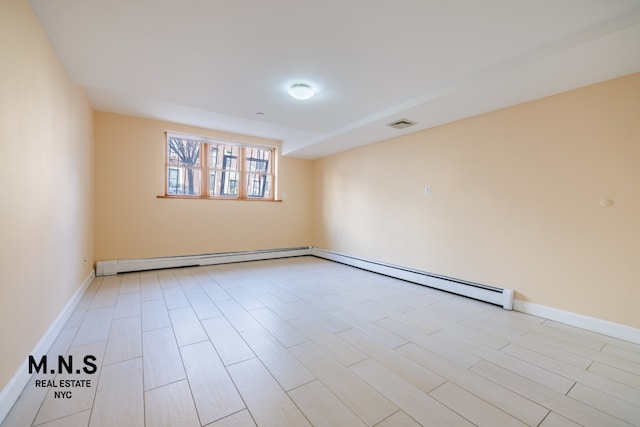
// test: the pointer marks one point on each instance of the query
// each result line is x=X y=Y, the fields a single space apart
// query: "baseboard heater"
x=106 y=268
x=498 y=296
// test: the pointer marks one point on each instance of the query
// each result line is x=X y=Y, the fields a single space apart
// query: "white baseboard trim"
x=14 y=387
x=593 y=324
x=499 y=296
x=105 y=268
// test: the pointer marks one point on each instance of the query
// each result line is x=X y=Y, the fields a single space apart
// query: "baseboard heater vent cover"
x=498 y=296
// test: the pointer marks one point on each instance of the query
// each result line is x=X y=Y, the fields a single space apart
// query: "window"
x=206 y=168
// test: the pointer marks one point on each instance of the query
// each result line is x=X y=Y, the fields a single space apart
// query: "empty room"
x=291 y=213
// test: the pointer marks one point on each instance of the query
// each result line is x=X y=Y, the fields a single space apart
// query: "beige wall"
x=515 y=200
x=46 y=191
x=131 y=222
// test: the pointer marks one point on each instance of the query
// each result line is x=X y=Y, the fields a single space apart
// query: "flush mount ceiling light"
x=301 y=91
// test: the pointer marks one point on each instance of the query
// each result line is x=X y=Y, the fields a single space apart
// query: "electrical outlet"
x=427 y=190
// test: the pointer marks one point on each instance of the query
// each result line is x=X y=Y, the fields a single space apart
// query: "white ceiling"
x=217 y=63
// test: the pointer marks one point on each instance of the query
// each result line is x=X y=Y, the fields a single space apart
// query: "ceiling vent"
x=401 y=124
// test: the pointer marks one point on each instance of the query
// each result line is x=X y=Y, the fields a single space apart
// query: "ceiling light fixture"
x=301 y=91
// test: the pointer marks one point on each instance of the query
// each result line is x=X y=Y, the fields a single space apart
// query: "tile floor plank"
x=267 y=402
x=607 y=403
x=547 y=378
x=415 y=323
x=154 y=315
x=167 y=279
x=321 y=317
x=125 y=340
x=470 y=329
x=130 y=283
x=278 y=327
x=369 y=313
x=370 y=329
x=462 y=358
x=127 y=305
x=227 y=341
x=238 y=316
x=439 y=315
x=367 y=403
x=81 y=419
x=563 y=405
x=472 y=408
x=76 y=318
x=617 y=342
x=331 y=343
x=239 y=419
x=285 y=311
x=282 y=294
x=555 y=420
x=624 y=353
x=576 y=360
x=322 y=407
x=510 y=402
x=284 y=367
x=405 y=368
x=245 y=299
x=95 y=326
x=161 y=358
x=107 y=293
x=214 y=393
x=399 y=419
x=170 y=405
x=150 y=286
x=203 y=306
x=174 y=297
x=617 y=389
x=420 y=406
x=119 y=398
x=615 y=374
x=186 y=326
x=187 y=282
x=577 y=339
x=607 y=355
x=215 y=292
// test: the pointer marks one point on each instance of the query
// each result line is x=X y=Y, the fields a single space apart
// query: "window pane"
x=184 y=152
x=223 y=183
x=215 y=156
x=212 y=183
x=223 y=156
x=258 y=160
x=230 y=155
x=259 y=185
x=183 y=181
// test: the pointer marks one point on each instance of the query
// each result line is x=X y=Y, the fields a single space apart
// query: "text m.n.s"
x=64 y=366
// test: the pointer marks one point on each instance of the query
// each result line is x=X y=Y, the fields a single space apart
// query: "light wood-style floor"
x=304 y=341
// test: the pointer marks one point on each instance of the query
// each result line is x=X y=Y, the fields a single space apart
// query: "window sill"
x=219 y=198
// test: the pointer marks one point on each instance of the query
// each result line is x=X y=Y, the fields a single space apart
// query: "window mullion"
x=204 y=175
x=242 y=190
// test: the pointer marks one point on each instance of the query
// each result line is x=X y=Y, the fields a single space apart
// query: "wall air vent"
x=401 y=124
